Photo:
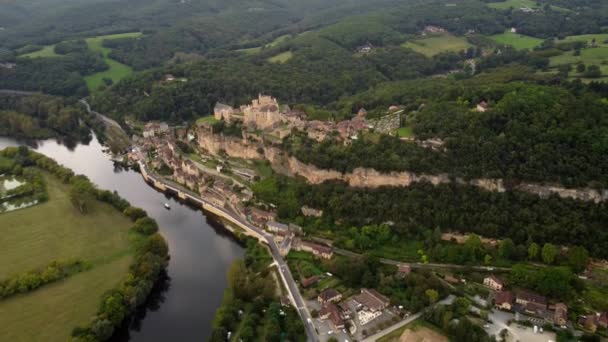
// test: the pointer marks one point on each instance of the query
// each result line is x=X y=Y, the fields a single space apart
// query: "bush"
x=145 y=226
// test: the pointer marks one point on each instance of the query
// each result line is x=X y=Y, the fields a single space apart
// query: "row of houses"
x=526 y=302
x=370 y=305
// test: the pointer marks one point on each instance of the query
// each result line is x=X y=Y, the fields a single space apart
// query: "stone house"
x=316 y=249
x=328 y=296
x=493 y=282
x=560 y=315
x=503 y=300
x=372 y=300
x=531 y=303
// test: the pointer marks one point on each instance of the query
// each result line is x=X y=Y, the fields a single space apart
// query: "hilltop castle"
x=263 y=112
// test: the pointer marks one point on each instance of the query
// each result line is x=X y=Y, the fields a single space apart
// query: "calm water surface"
x=184 y=304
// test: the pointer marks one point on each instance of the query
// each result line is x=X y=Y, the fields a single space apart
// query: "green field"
x=518 y=41
x=281 y=58
x=519 y=4
x=588 y=56
x=46 y=51
x=405 y=132
x=437 y=44
x=55 y=230
x=206 y=119
x=274 y=43
x=117 y=71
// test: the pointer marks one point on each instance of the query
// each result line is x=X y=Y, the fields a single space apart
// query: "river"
x=182 y=306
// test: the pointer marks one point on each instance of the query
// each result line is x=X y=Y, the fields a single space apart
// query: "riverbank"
x=184 y=303
x=76 y=221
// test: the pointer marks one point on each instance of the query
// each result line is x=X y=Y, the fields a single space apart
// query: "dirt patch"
x=421 y=334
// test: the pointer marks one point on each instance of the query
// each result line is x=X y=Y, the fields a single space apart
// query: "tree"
x=506 y=248
x=135 y=213
x=593 y=71
x=533 y=251
x=81 y=193
x=472 y=247
x=549 y=253
x=580 y=68
x=578 y=257
x=146 y=226
x=432 y=295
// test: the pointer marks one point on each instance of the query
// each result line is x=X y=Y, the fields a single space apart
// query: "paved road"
x=422 y=265
x=19 y=92
x=284 y=271
x=105 y=119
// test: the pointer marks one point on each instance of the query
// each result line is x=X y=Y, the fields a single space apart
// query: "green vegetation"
x=281 y=58
x=41 y=117
x=437 y=44
x=116 y=70
x=78 y=222
x=464 y=329
x=516 y=40
x=405 y=132
x=252 y=288
x=258 y=49
x=54 y=230
x=46 y=51
x=517 y=4
x=206 y=119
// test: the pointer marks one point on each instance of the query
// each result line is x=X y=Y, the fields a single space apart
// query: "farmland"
x=55 y=230
x=46 y=51
x=437 y=44
x=281 y=58
x=117 y=71
x=518 y=41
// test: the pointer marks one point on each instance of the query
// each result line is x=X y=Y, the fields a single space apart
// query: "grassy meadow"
x=55 y=230
x=46 y=51
x=436 y=44
x=281 y=58
x=516 y=40
x=589 y=56
x=274 y=43
x=521 y=3
x=117 y=71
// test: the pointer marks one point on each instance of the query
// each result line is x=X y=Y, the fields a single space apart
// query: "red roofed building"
x=504 y=300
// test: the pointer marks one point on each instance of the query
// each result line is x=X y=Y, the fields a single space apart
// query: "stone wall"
x=370 y=178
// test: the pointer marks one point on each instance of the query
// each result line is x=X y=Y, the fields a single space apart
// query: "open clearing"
x=417 y=331
x=46 y=51
x=281 y=58
x=275 y=42
x=521 y=3
x=589 y=56
x=117 y=71
x=437 y=44
x=55 y=230
x=516 y=40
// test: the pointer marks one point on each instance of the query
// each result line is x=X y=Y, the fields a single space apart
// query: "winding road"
x=282 y=267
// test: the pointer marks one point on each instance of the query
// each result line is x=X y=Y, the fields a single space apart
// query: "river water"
x=183 y=305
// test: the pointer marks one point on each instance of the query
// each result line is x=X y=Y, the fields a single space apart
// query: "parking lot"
x=516 y=332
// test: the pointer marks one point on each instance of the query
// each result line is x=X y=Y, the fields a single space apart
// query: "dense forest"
x=416 y=211
x=41 y=117
x=531 y=133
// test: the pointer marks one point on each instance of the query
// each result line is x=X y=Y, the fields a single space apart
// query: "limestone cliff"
x=365 y=177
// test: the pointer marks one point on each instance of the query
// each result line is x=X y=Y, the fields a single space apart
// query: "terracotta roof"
x=328 y=294
x=503 y=297
x=530 y=296
x=306 y=282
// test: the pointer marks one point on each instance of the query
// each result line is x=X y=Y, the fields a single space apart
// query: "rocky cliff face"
x=370 y=178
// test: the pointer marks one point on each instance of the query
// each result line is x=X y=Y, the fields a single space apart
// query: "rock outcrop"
x=370 y=178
